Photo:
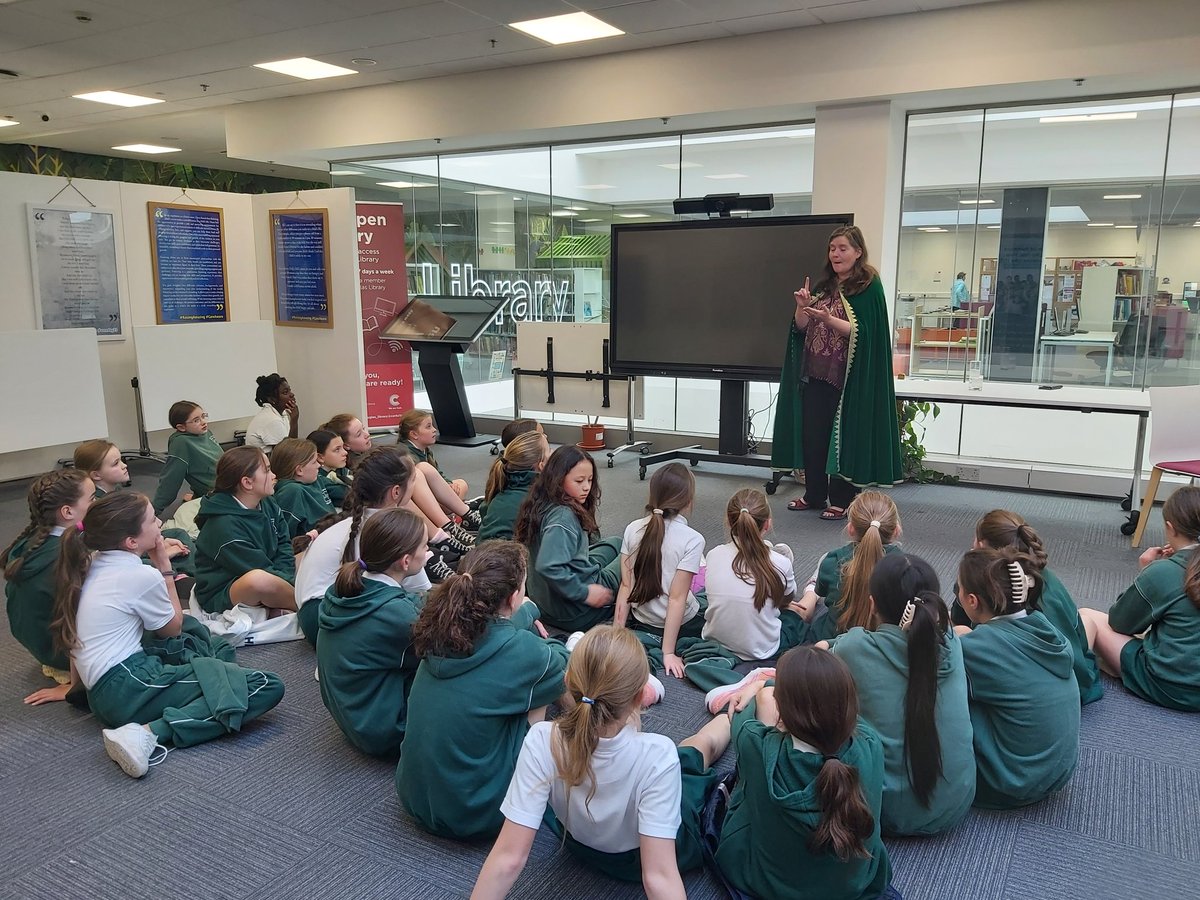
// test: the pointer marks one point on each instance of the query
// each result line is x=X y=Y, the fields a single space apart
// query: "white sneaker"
x=133 y=748
x=652 y=693
x=317 y=674
x=574 y=639
x=785 y=550
x=719 y=696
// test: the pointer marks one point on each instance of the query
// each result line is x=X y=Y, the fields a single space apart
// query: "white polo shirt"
x=268 y=427
x=682 y=549
x=731 y=619
x=121 y=599
x=638 y=790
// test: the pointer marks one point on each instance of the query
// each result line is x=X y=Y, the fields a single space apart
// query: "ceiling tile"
x=654 y=15
x=863 y=9
x=446 y=18
x=718 y=10
x=772 y=22
x=508 y=11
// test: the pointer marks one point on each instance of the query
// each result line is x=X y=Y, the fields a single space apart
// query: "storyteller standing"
x=837 y=405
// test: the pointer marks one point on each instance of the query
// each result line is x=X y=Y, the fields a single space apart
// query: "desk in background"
x=1101 y=339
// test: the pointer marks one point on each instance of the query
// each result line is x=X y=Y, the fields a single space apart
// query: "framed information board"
x=75 y=270
x=300 y=266
x=187 y=251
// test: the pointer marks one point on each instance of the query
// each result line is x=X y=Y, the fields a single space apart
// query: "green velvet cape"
x=864 y=448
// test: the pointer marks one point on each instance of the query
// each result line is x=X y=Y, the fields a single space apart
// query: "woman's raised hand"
x=804 y=295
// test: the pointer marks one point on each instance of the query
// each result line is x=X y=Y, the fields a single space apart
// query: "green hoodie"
x=500 y=513
x=879 y=662
x=235 y=540
x=563 y=564
x=774 y=812
x=367 y=663
x=466 y=722
x=824 y=626
x=30 y=602
x=303 y=505
x=336 y=483
x=1024 y=710
x=422 y=456
x=1164 y=666
x=192 y=457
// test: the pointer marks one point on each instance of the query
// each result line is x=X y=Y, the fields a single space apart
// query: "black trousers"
x=821 y=401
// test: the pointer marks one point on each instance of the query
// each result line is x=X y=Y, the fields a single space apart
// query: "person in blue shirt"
x=960 y=294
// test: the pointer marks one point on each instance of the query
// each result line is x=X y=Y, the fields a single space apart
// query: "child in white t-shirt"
x=750 y=585
x=625 y=802
x=660 y=555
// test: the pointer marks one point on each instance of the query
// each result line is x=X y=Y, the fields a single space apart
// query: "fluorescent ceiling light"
x=647 y=215
x=449 y=225
x=993 y=228
x=146 y=148
x=591 y=220
x=1122 y=196
x=974 y=202
x=988 y=215
x=596 y=187
x=1099 y=224
x=344 y=172
x=683 y=165
x=505 y=224
x=303 y=67
x=567 y=29
x=117 y=98
x=406 y=184
x=561 y=213
x=1091 y=117
x=484 y=193
x=1124 y=226
x=727 y=176
x=931 y=228
x=4 y=123
x=577 y=208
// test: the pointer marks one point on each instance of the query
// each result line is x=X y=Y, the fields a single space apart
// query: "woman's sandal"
x=798 y=505
x=833 y=513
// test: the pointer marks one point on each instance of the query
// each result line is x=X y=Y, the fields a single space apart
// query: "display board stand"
x=447 y=395
x=732 y=444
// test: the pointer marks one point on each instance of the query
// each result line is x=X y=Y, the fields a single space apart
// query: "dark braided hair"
x=377 y=473
x=47 y=495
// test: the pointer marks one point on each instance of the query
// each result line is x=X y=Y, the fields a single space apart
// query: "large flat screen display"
x=711 y=298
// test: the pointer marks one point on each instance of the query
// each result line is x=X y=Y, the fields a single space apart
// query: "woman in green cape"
x=837 y=406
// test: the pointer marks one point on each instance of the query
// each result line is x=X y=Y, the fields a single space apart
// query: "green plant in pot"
x=912 y=415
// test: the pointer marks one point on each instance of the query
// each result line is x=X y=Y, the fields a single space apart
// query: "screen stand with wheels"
x=732 y=444
x=443 y=382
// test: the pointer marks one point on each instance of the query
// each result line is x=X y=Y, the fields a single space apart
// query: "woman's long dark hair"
x=898 y=580
x=859 y=276
x=547 y=491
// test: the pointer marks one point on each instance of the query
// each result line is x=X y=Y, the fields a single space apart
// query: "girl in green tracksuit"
x=508 y=484
x=364 y=655
x=57 y=500
x=297 y=490
x=244 y=552
x=573 y=574
x=332 y=455
x=484 y=678
x=192 y=454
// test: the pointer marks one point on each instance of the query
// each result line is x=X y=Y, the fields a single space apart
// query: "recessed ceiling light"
x=591 y=220
x=449 y=225
x=993 y=228
x=518 y=198
x=363 y=61
x=303 y=67
x=117 y=98
x=4 y=123
x=1093 y=117
x=406 y=184
x=505 y=224
x=567 y=29
x=577 y=208
x=633 y=215
x=1122 y=196
x=974 y=202
x=146 y=148
x=680 y=165
x=564 y=213
x=596 y=187
x=1099 y=224
x=1124 y=226
x=344 y=172
x=931 y=228
x=483 y=193
x=727 y=176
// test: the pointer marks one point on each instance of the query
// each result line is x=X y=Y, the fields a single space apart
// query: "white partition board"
x=578 y=347
x=214 y=364
x=53 y=391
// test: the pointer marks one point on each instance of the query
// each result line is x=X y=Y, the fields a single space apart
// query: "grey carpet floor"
x=288 y=809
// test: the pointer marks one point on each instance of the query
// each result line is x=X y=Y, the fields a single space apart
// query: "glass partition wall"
x=1052 y=243
x=535 y=223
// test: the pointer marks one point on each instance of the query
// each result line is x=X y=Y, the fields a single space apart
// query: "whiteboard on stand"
x=578 y=347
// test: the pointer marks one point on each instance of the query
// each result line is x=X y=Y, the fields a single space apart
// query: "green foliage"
x=912 y=415
x=35 y=160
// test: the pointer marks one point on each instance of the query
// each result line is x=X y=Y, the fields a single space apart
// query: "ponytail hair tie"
x=874 y=523
x=79 y=526
x=362 y=565
x=910 y=610
x=656 y=511
x=586 y=699
x=743 y=510
x=1021 y=583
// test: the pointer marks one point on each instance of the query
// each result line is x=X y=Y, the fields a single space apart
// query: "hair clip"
x=656 y=511
x=875 y=523
x=586 y=699
x=1020 y=583
x=910 y=610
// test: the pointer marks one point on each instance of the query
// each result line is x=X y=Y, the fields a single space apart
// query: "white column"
x=858 y=167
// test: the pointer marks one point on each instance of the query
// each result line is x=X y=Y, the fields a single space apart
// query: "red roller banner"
x=383 y=290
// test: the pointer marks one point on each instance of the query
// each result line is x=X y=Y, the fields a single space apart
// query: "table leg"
x=1108 y=368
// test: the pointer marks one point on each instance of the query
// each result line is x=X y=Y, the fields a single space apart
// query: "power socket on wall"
x=967 y=473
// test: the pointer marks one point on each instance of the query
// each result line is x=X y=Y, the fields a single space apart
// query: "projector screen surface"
x=711 y=298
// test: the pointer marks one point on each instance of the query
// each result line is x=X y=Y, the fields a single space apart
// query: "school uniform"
x=186 y=688
x=423 y=455
x=879 y=662
x=466 y=722
x=774 y=811
x=319 y=567
x=29 y=599
x=1057 y=606
x=268 y=427
x=1164 y=666
x=192 y=458
x=645 y=785
x=234 y=540
x=303 y=505
x=185 y=564
x=830 y=570
x=1024 y=704
x=564 y=563
x=336 y=483
x=731 y=619
x=499 y=515
x=366 y=661
x=682 y=550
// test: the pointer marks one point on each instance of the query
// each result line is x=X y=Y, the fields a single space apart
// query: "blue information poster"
x=300 y=259
x=187 y=248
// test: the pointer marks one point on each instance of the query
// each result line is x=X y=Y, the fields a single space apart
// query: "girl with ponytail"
x=912 y=689
x=750 y=584
x=660 y=555
x=803 y=820
x=1163 y=606
x=484 y=678
x=837 y=598
x=57 y=501
x=1001 y=528
x=523 y=457
x=1022 y=693
x=122 y=625
x=625 y=802
x=364 y=656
